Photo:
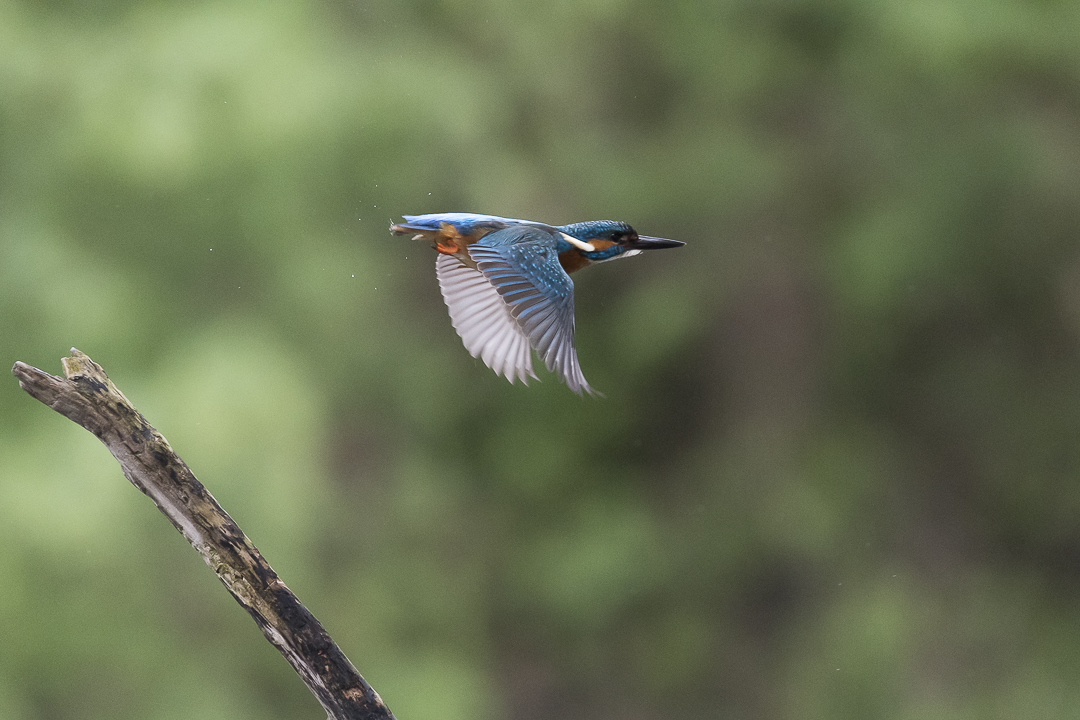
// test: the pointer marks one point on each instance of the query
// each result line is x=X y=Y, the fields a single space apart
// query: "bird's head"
x=601 y=240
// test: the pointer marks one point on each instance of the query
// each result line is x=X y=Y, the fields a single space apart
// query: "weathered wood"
x=87 y=397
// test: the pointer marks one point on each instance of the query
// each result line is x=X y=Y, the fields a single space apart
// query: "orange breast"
x=572 y=260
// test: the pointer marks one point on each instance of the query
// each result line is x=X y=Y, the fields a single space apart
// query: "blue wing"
x=522 y=263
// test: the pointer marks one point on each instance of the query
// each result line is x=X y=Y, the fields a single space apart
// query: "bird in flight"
x=507 y=284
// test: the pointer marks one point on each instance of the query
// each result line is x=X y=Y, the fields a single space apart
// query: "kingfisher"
x=507 y=284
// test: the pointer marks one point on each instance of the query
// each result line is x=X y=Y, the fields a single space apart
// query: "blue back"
x=470 y=223
x=465 y=223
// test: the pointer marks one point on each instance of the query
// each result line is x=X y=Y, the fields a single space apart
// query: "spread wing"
x=521 y=263
x=483 y=320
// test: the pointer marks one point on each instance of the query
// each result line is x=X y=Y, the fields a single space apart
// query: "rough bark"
x=87 y=397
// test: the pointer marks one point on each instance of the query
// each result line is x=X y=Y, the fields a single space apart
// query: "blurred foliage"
x=836 y=473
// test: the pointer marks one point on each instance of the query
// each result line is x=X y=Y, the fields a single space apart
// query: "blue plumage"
x=506 y=283
x=465 y=223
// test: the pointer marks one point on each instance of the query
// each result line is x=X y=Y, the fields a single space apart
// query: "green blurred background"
x=836 y=471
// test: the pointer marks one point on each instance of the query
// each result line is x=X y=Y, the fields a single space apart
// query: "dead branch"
x=87 y=397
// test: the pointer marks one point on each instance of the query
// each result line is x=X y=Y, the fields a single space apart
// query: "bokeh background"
x=837 y=471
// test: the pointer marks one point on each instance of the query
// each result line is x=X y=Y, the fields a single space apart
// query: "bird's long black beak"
x=645 y=242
